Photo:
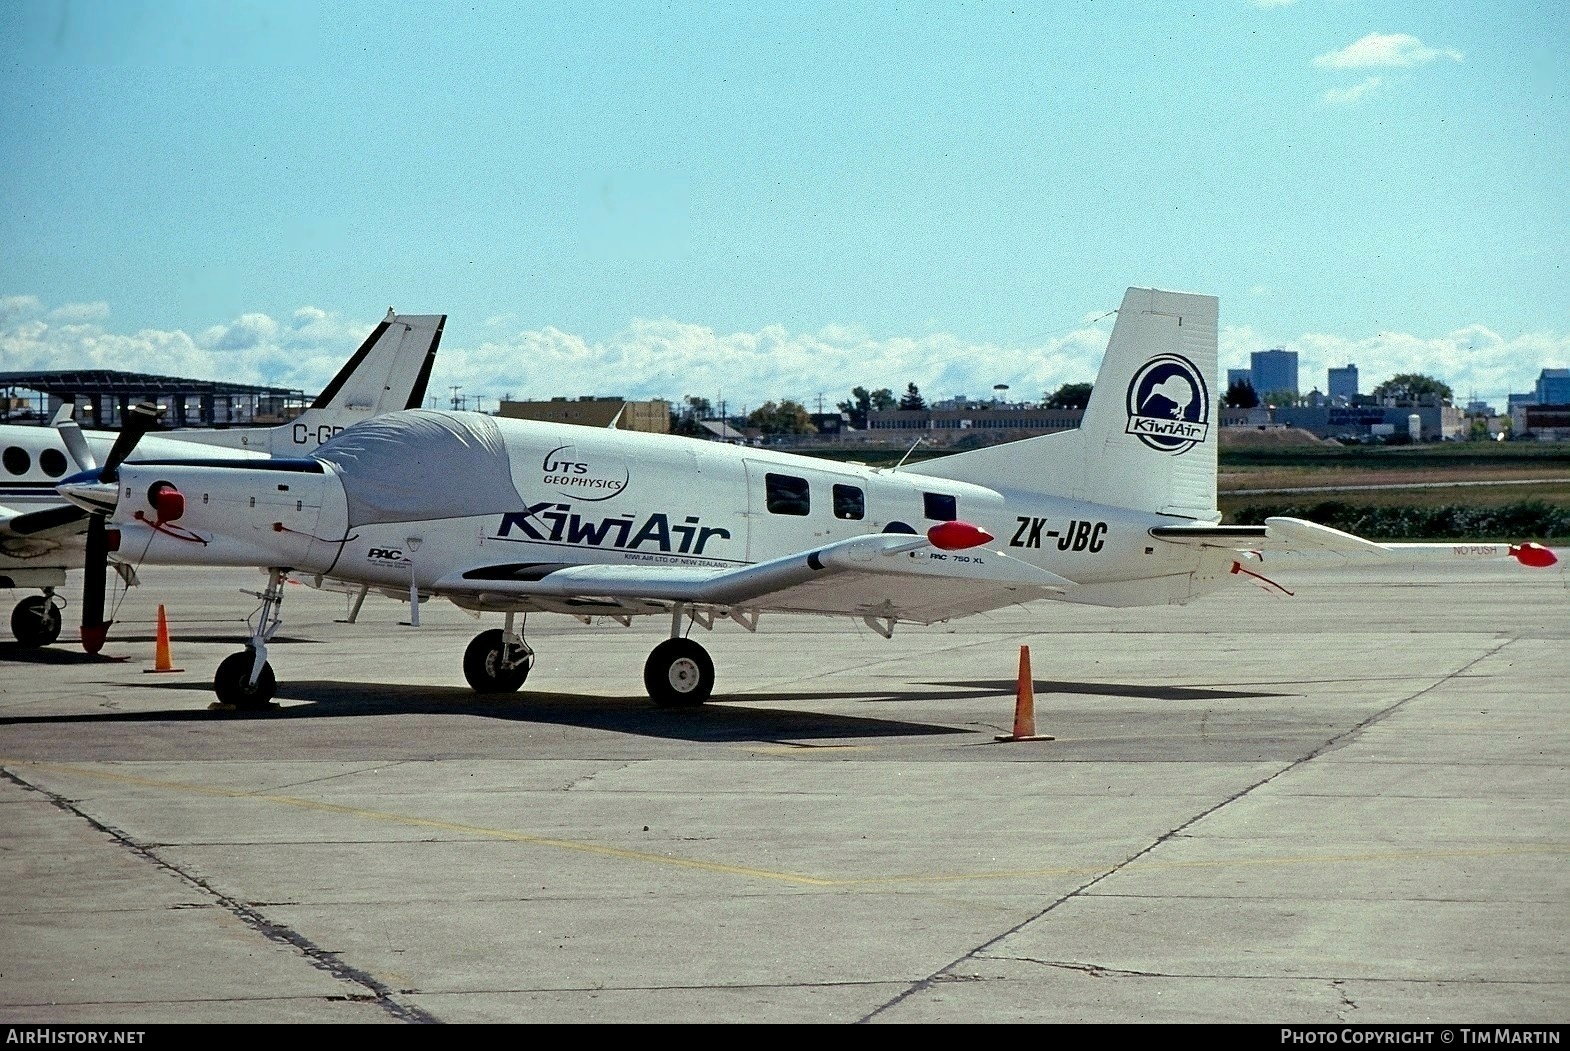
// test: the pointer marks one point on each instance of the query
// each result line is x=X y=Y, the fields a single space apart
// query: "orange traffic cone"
x=1025 y=705
x=162 y=660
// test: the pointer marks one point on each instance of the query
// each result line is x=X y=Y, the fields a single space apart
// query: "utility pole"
x=455 y=400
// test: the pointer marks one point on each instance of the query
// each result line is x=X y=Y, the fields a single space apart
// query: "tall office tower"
x=1343 y=385
x=1274 y=370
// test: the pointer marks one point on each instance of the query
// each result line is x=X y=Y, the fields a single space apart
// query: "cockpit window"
x=940 y=507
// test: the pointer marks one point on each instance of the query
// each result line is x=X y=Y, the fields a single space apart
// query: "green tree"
x=688 y=419
x=787 y=417
x=912 y=398
x=1070 y=396
x=1241 y=395
x=1412 y=388
x=1281 y=397
x=863 y=401
x=857 y=407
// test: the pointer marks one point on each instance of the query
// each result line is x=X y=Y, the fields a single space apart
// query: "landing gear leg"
x=497 y=661
x=679 y=673
x=245 y=679
x=36 y=620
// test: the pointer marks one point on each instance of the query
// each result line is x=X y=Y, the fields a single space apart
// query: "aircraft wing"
x=889 y=576
x=27 y=534
x=1293 y=536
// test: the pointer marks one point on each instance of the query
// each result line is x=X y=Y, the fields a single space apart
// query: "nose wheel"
x=245 y=680
x=36 y=620
x=678 y=674
x=232 y=682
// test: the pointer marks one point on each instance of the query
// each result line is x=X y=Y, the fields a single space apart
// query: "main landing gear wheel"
x=35 y=621
x=490 y=668
x=678 y=674
x=232 y=682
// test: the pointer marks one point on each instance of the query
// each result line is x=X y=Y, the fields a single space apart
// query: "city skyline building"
x=1342 y=384
x=1274 y=370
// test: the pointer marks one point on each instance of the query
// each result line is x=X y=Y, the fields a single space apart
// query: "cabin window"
x=850 y=503
x=940 y=507
x=53 y=462
x=16 y=459
x=786 y=494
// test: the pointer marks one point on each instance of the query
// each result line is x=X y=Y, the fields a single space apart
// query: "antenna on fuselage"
x=612 y=424
x=912 y=449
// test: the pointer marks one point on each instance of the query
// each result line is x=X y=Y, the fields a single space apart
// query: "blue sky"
x=753 y=201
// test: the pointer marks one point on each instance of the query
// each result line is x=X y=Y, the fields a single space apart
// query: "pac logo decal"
x=1169 y=404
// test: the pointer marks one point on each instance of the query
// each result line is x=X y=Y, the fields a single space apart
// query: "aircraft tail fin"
x=389 y=372
x=1148 y=439
x=391 y=369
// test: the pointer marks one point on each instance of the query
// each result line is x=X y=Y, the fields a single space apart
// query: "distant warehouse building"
x=997 y=423
x=1436 y=422
x=592 y=410
x=1553 y=387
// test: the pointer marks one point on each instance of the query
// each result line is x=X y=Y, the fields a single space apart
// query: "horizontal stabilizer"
x=1294 y=536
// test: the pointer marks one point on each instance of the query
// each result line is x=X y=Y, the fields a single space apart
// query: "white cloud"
x=246 y=332
x=669 y=359
x=18 y=306
x=1353 y=94
x=301 y=354
x=666 y=358
x=1384 y=50
x=97 y=311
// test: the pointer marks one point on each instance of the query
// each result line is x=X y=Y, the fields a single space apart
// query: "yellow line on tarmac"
x=411 y=821
x=505 y=835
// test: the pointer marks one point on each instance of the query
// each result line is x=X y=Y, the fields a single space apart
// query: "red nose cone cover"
x=1535 y=555
x=956 y=536
x=169 y=503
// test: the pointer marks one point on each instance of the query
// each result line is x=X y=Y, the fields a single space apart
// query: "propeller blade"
x=75 y=441
x=94 y=577
x=141 y=419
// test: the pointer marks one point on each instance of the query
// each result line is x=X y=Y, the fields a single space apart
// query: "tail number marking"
x=1078 y=535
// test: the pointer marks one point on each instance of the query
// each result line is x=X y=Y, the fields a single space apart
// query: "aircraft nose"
x=88 y=491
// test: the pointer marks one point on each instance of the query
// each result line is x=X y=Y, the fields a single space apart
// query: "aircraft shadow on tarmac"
x=981 y=687
x=714 y=722
x=63 y=654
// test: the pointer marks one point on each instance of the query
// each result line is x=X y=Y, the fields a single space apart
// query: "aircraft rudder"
x=391 y=368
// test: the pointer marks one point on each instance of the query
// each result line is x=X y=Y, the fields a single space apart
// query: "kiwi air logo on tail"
x=1168 y=404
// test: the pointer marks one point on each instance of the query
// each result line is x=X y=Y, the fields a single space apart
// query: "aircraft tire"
x=678 y=674
x=35 y=621
x=231 y=682
x=482 y=665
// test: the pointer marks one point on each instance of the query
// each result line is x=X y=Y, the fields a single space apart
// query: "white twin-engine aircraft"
x=516 y=517
x=41 y=537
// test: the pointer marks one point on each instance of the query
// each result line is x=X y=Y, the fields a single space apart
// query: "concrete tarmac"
x=1344 y=807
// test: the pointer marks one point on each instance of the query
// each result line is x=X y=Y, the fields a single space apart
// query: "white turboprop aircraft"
x=515 y=517
x=41 y=536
